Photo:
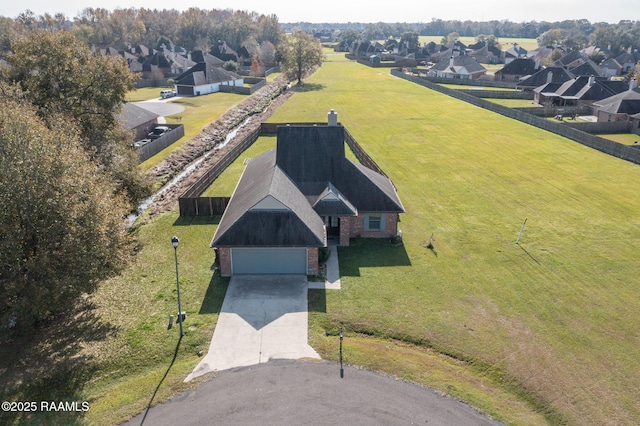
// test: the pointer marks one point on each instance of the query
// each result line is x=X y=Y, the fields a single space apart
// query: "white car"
x=164 y=94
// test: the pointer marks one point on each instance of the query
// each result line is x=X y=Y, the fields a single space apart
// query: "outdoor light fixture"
x=341 y=368
x=181 y=316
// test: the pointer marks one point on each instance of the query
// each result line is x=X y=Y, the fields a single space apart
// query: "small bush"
x=396 y=240
x=323 y=254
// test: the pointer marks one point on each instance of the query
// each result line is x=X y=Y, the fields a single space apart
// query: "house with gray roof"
x=138 y=120
x=291 y=200
x=205 y=77
x=619 y=107
x=458 y=67
x=579 y=91
x=545 y=76
x=517 y=69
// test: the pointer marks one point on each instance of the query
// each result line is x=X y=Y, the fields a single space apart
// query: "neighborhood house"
x=289 y=201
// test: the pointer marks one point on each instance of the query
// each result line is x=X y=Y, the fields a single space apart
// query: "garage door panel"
x=269 y=260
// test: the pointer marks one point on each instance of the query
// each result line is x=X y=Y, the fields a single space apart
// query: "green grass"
x=227 y=181
x=115 y=355
x=506 y=42
x=144 y=94
x=558 y=314
x=515 y=103
x=623 y=138
x=198 y=112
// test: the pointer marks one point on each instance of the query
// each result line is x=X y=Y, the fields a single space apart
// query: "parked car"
x=164 y=94
x=158 y=131
x=140 y=143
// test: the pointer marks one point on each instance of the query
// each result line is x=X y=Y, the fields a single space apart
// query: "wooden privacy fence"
x=203 y=206
x=190 y=202
x=155 y=146
x=624 y=152
x=210 y=175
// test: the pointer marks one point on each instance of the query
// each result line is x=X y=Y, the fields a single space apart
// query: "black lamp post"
x=174 y=242
x=341 y=369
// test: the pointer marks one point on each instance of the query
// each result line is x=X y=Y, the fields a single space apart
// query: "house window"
x=374 y=222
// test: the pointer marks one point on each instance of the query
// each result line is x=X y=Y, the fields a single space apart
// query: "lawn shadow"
x=371 y=253
x=50 y=364
x=155 y=392
x=197 y=220
x=317 y=300
x=528 y=254
x=308 y=87
x=214 y=296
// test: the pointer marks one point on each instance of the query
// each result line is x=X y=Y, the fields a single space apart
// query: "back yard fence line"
x=155 y=146
x=624 y=152
x=190 y=202
x=499 y=94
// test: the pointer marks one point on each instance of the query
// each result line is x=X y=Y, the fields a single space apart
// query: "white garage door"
x=269 y=260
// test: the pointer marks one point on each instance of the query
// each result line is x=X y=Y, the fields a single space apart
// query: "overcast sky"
x=378 y=11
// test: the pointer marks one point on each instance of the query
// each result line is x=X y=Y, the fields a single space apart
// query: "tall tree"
x=194 y=28
x=268 y=29
x=61 y=77
x=61 y=220
x=300 y=53
x=411 y=39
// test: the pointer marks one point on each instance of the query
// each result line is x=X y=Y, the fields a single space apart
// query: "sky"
x=340 y=11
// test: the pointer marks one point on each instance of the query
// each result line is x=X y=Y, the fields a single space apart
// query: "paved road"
x=285 y=392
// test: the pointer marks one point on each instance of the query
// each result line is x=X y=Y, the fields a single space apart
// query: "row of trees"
x=198 y=28
x=192 y=29
x=577 y=33
x=67 y=177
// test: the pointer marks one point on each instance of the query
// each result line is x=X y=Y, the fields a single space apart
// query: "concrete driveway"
x=161 y=107
x=263 y=317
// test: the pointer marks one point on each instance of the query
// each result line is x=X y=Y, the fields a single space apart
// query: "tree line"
x=578 y=33
x=197 y=28
x=192 y=29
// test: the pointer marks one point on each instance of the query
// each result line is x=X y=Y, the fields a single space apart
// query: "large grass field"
x=506 y=42
x=557 y=315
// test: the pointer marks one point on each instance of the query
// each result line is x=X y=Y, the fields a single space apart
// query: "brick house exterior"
x=290 y=201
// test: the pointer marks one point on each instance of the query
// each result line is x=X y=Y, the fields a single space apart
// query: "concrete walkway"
x=263 y=317
x=332 y=281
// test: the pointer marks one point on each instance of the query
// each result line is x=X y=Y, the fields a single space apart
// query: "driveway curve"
x=160 y=107
x=309 y=393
